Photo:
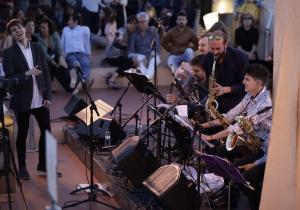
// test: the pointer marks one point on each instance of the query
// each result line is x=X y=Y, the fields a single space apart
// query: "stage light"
x=223 y=6
x=210 y=19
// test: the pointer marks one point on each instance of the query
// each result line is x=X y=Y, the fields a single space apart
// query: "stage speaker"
x=99 y=128
x=173 y=190
x=136 y=161
x=74 y=105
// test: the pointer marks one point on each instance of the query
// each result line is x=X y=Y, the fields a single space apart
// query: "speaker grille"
x=163 y=179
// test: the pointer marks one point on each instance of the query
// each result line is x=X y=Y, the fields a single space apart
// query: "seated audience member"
x=180 y=41
x=184 y=71
x=140 y=49
x=246 y=36
x=107 y=24
x=50 y=42
x=75 y=43
x=249 y=6
x=29 y=24
x=6 y=41
x=116 y=53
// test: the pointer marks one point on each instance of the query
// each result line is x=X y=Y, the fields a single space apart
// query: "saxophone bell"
x=232 y=140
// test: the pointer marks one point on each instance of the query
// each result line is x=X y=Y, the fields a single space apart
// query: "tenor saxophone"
x=211 y=104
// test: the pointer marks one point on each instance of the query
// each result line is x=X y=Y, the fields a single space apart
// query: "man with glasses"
x=140 y=49
x=229 y=70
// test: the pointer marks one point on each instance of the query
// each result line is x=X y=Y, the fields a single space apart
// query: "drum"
x=173 y=189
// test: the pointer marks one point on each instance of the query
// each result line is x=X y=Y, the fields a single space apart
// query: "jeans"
x=82 y=59
x=175 y=60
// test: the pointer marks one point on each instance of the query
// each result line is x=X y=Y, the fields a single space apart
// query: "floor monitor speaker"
x=136 y=161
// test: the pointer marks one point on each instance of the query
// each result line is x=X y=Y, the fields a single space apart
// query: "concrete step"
x=98 y=74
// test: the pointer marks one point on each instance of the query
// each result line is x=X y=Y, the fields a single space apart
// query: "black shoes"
x=43 y=171
x=23 y=173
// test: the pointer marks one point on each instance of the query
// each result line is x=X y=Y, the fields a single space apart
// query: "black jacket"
x=15 y=66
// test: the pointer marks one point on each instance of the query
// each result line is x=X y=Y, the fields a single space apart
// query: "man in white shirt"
x=76 y=46
x=26 y=62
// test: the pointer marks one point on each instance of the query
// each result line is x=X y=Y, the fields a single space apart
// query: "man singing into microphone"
x=27 y=62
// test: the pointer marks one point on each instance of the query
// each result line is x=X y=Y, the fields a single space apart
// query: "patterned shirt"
x=249 y=107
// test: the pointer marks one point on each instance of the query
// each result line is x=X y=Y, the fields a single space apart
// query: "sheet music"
x=102 y=107
x=182 y=110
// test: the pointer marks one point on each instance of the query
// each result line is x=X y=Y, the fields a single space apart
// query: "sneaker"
x=73 y=76
x=23 y=173
x=43 y=172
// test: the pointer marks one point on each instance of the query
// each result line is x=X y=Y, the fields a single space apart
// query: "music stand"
x=102 y=107
x=143 y=84
x=223 y=168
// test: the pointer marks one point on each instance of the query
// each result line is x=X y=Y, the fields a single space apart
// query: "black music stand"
x=119 y=104
x=223 y=168
x=143 y=84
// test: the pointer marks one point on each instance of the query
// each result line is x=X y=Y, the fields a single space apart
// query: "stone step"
x=98 y=74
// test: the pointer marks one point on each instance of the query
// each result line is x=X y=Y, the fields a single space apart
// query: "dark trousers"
x=123 y=63
x=62 y=75
x=42 y=117
x=91 y=19
x=255 y=176
x=240 y=155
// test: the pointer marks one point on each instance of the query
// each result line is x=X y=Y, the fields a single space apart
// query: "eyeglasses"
x=247 y=18
x=215 y=37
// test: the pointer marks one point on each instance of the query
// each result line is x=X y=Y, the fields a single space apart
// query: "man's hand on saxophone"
x=220 y=90
x=222 y=134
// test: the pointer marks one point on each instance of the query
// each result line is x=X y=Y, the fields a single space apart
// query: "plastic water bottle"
x=107 y=139
x=139 y=126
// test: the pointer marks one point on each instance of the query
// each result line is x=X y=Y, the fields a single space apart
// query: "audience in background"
x=116 y=53
x=50 y=41
x=140 y=49
x=246 y=36
x=180 y=41
x=75 y=42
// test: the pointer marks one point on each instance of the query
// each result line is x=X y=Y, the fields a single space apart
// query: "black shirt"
x=246 y=39
x=230 y=73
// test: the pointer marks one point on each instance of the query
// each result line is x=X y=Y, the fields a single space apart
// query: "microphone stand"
x=135 y=115
x=200 y=162
x=153 y=47
x=119 y=105
x=160 y=118
x=93 y=188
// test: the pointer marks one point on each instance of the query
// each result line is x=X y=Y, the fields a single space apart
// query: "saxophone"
x=211 y=104
x=252 y=141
